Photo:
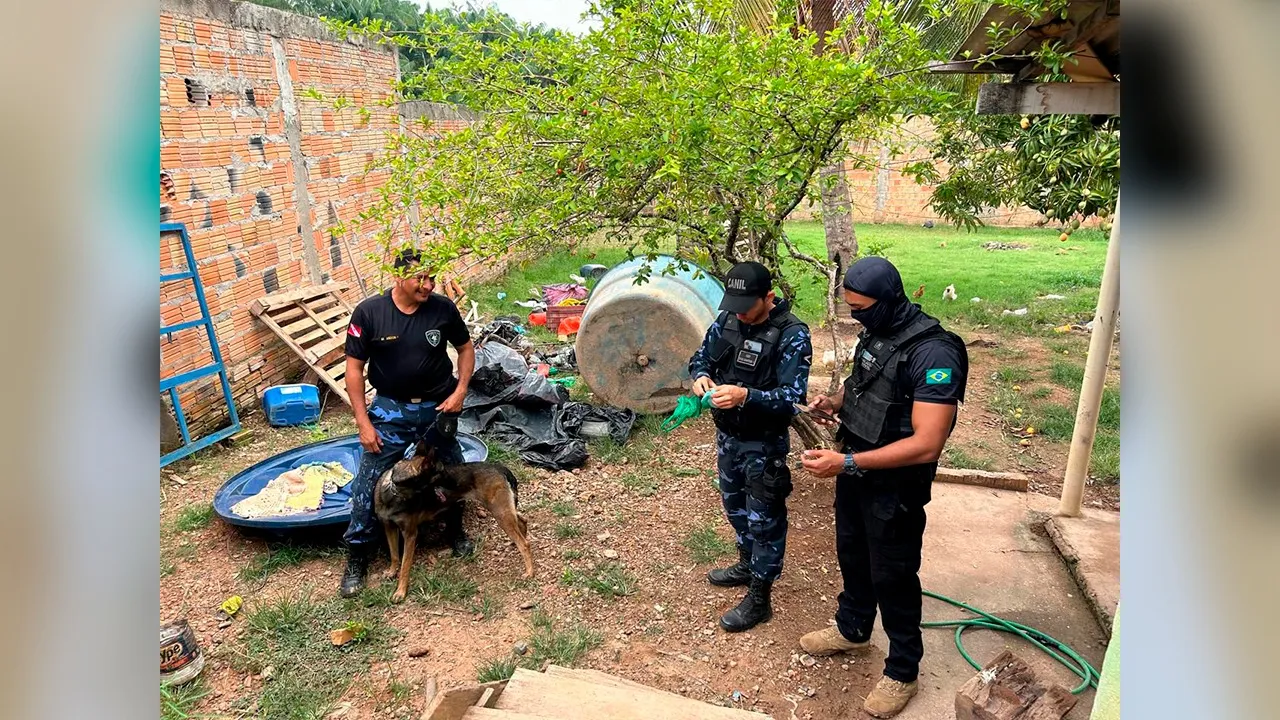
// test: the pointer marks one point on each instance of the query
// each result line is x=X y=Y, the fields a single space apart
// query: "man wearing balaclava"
x=895 y=413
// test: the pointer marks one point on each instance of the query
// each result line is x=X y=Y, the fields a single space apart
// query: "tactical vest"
x=873 y=410
x=748 y=356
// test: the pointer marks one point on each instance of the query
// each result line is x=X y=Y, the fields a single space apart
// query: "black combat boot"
x=358 y=558
x=735 y=575
x=753 y=610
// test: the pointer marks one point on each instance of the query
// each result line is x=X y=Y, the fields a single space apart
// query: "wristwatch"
x=851 y=466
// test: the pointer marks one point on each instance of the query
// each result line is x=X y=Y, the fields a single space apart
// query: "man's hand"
x=369 y=439
x=702 y=386
x=728 y=396
x=823 y=463
x=453 y=403
x=823 y=404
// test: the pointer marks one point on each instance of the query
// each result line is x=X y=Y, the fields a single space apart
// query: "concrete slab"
x=988 y=548
x=1090 y=545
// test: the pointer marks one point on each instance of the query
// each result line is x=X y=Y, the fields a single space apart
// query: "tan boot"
x=889 y=697
x=828 y=641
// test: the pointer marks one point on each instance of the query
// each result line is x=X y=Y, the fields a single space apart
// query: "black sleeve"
x=455 y=329
x=359 y=331
x=937 y=370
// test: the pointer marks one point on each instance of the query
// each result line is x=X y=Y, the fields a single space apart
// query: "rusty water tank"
x=635 y=341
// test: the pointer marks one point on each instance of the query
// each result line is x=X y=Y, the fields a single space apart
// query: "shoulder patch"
x=937 y=376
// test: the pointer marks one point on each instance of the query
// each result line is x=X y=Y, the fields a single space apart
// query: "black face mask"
x=875 y=318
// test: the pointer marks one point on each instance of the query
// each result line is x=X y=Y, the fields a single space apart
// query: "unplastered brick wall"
x=882 y=194
x=261 y=170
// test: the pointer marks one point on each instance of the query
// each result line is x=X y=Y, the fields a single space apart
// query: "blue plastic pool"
x=336 y=508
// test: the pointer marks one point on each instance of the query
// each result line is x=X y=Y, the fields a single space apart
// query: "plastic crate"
x=296 y=404
x=559 y=312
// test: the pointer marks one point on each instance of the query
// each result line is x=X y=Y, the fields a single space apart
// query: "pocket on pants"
x=769 y=481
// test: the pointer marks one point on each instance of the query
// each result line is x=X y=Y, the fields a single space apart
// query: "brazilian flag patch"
x=937 y=376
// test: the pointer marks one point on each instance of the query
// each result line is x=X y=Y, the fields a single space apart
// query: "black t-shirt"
x=406 y=353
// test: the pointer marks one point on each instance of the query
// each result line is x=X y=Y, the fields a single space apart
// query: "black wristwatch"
x=851 y=465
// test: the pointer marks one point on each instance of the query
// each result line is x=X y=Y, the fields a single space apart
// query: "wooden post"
x=1095 y=375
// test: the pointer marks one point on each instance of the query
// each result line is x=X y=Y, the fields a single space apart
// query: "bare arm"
x=354 y=380
x=931 y=423
x=466 y=366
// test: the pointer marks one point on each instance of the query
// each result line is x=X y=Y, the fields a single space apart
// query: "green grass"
x=444 y=583
x=1066 y=374
x=571 y=554
x=705 y=544
x=1005 y=279
x=958 y=458
x=487 y=607
x=642 y=485
x=563 y=508
x=278 y=557
x=566 y=530
x=290 y=633
x=179 y=702
x=195 y=516
x=608 y=580
x=501 y=668
x=1041 y=392
x=562 y=647
x=1013 y=374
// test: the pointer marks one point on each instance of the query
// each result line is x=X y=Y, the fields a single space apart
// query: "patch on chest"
x=433 y=338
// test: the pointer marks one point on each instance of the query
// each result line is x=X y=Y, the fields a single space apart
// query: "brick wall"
x=882 y=194
x=259 y=171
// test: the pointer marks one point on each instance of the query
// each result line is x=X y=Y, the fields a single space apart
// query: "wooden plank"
x=538 y=694
x=289 y=297
x=453 y=704
x=330 y=317
x=1049 y=99
x=1006 y=689
x=333 y=376
x=601 y=678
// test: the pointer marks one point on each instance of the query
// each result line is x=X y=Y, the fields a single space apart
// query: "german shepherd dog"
x=421 y=488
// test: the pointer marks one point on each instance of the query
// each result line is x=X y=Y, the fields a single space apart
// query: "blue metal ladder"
x=170 y=384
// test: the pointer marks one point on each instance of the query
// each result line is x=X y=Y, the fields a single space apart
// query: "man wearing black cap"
x=755 y=363
x=895 y=412
x=401 y=334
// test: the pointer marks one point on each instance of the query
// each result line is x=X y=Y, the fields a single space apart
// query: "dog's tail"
x=511 y=480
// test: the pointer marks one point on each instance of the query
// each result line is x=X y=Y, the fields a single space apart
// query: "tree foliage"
x=1065 y=166
x=673 y=122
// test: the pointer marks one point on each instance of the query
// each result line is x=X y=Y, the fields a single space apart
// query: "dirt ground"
x=638 y=510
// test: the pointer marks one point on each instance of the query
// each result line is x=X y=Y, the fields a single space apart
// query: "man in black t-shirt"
x=401 y=336
x=896 y=411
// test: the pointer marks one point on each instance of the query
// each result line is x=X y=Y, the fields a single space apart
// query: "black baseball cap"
x=745 y=284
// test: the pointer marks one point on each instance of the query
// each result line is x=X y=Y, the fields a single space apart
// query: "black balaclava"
x=877 y=278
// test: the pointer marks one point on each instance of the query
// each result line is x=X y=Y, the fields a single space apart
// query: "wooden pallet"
x=312 y=321
x=567 y=694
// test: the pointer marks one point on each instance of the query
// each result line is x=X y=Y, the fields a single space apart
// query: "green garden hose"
x=1073 y=661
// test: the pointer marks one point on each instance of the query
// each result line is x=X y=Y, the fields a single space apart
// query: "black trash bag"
x=502 y=377
x=532 y=432
x=570 y=417
x=564 y=455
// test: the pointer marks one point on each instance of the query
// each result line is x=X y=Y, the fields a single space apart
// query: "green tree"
x=676 y=121
x=1065 y=166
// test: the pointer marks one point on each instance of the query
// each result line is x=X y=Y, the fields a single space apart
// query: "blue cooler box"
x=296 y=404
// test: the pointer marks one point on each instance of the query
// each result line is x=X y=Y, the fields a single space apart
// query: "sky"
x=562 y=14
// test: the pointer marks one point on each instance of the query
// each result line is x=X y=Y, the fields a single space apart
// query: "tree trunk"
x=837 y=218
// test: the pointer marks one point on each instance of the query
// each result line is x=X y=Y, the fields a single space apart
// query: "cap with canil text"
x=745 y=284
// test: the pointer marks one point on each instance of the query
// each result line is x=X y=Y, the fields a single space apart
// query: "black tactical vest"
x=747 y=355
x=873 y=408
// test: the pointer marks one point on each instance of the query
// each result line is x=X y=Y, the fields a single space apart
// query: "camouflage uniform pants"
x=398 y=424
x=754 y=484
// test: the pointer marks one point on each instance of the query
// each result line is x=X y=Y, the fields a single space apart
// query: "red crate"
x=559 y=312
